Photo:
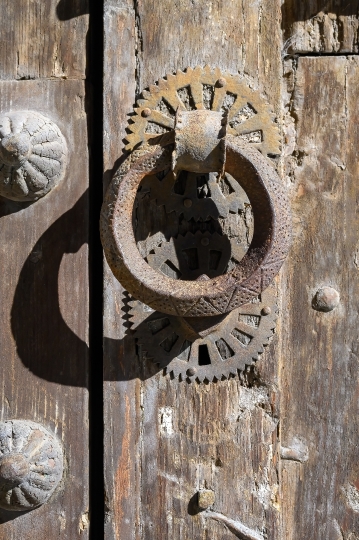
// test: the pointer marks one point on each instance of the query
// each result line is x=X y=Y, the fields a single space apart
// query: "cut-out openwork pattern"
x=249 y=116
x=231 y=347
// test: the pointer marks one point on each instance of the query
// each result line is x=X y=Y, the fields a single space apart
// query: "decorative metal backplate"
x=232 y=346
x=191 y=256
x=193 y=195
x=249 y=115
x=222 y=332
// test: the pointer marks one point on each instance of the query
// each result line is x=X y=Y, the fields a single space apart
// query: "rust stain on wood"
x=123 y=472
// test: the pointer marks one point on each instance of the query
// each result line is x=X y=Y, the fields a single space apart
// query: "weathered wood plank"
x=319 y=380
x=244 y=38
x=44 y=311
x=320 y=26
x=121 y=404
x=43 y=39
x=165 y=439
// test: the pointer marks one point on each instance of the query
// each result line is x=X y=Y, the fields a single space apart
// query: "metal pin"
x=221 y=82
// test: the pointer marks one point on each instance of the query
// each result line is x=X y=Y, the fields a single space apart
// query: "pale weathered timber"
x=121 y=404
x=43 y=39
x=164 y=439
x=320 y=26
x=44 y=312
x=320 y=369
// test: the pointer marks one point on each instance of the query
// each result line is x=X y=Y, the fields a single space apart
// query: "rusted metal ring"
x=263 y=260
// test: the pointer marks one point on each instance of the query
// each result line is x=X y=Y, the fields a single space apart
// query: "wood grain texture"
x=121 y=405
x=43 y=39
x=165 y=439
x=320 y=26
x=44 y=312
x=319 y=382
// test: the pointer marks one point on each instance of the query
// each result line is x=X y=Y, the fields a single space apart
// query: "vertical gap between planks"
x=94 y=78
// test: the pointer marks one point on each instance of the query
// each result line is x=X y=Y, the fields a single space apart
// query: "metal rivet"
x=146 y=112
x=191 y=371
x=325 y=299
x=187 y=203
x=205 y=241
x=206 y=498
x=221 y=82
x=266 y=310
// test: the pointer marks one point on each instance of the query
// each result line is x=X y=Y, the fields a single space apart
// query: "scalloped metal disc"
x=235 y=344
x=172 y=343
x=31 y=464
x=33 y=155
x=249 y=115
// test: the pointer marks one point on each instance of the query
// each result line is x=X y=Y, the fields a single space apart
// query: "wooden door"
x=276 y=447
x=268 y=451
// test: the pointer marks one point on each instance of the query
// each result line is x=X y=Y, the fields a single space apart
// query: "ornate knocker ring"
x=208 y=297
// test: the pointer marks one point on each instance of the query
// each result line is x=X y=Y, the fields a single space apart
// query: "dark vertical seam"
x=138 y=48
x=94 y=93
